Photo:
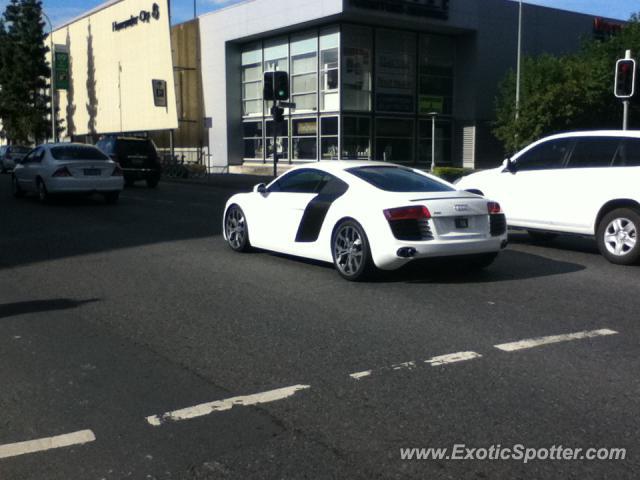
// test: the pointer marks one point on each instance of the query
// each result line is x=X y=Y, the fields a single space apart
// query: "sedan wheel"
x=43 y=194
x=351 y=253
x=235 y=229
x=617 y=236
x=15 y=188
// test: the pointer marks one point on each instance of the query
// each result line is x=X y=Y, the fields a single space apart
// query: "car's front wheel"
x=235 y=229
x=15 y=188
x=351 y=252
x=618 y=236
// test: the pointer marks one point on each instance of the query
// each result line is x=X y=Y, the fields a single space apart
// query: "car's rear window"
x=398 y=179
x=77 y=152
x=139 y=148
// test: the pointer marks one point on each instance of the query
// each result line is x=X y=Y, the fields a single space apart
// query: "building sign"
x=144 y=16
x=421 y=8
x=61 y=67
x=159 y=93
x=431 y=103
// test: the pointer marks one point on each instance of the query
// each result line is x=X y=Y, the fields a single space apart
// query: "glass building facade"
x=360 y=93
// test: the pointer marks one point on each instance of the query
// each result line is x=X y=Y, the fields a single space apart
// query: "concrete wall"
x=111 y=71
x=221 y=60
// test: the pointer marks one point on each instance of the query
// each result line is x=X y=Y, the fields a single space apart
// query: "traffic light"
x=625 y=78
x=278 y=114
x=276 y=86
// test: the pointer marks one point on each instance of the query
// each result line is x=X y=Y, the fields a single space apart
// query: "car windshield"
x=77 y=152
x=19 y=150
x=398 y=179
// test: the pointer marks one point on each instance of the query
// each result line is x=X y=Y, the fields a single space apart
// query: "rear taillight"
x=494 y=208
x=62 y=172
x=407 y=213
x=117 y=172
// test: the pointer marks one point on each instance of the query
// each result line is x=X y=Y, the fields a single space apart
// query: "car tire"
x=351 y=252
x=538 y=236
x=41 y=189
x=152 y=182
x=617 y=236
x=15 y=188
x=111 y=197
x=236 y=230
x=482 y=261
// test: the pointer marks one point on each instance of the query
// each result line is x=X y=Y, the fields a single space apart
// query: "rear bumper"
x=84 y=185
x=141 y=173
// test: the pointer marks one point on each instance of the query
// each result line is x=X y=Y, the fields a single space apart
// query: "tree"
x=569 y=92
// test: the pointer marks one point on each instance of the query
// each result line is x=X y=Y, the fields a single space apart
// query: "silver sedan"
x=67 y=168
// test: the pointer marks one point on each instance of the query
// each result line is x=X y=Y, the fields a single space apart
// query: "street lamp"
x=433 y=139
x=53 y=106
x=519 y=59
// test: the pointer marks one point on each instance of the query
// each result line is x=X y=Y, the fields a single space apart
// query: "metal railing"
x=188 y=163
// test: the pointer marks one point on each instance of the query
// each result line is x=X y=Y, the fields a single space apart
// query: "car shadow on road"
x=571 y=243
x=36 y=306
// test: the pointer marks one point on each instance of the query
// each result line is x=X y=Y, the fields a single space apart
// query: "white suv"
x=585 y=183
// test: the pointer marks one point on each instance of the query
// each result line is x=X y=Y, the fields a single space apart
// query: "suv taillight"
x=62 y=172
x=407 y=213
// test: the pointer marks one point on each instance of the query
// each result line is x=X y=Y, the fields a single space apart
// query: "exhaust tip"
x=406 y=252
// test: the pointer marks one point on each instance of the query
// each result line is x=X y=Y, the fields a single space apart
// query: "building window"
x=329 y=69
x=329 y=138
x=252 y=80
x=395 y=71
x=276 y=58
x=253 y=140
x=356 y=138
x=282 y=130
x=394 y=140
x=356 y=68
x=436 y=74
x=304 y=72
x=304 y=138
x=442 y=146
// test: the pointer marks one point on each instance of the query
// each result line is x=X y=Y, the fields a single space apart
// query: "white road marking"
x=452 y=358
x=49 y=443
x=405 y=365
x=221 y=405
x=537 y=342
x=359 y=375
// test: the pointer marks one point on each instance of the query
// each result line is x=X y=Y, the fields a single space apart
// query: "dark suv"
x=137 y=157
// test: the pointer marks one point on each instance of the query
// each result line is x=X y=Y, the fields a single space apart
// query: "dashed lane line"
x=540 y=341
x=221 y=405
x=48 y=443
x=452 y=358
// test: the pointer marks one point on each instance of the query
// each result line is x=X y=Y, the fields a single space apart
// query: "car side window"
x=546 y=156
x=628 y=154
x=38 y=155
x=593 y=152
x=28 y=158
x=300 y=181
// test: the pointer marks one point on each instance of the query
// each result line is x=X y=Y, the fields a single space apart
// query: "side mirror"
x=509 y=165
x=260 y=188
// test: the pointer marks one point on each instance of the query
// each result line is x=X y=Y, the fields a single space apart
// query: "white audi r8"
x=364 y=216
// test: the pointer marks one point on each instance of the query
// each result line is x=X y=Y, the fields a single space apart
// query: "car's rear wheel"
x=538 y=236
x=617 y=236
x=351 y=252
x=236 y=230
x=111 y=197
x=43 y=193
x=15 y=188
x=152 y=182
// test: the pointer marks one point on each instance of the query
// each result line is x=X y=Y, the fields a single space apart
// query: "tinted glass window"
x=300 y=181
x=628 y=153
x=397 y=179
x=546 y=156
x=593 y=152
x=77 y=152
x=19 y=150
x=139 y=148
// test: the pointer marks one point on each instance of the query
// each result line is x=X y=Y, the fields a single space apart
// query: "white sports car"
x=364 y=216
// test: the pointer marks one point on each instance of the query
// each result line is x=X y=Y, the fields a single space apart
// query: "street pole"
x=53 y=60
x=433 y=140
x=276 y=125
x=194 y=9
x=625 y=102
x=519 y=60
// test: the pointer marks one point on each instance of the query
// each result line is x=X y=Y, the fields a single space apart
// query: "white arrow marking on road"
x=221 y=405
x=452 y=358
x=49 y=443
x=359 y=375
x=537 y=342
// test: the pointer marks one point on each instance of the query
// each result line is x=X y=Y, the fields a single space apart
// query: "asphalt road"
x=111 y=316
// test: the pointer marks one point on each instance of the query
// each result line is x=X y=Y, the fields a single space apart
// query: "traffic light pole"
x=275 y=145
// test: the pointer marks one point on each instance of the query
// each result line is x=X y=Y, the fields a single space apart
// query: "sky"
x=62 y=10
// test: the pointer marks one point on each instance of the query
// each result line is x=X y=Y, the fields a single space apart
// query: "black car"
x=137 y=157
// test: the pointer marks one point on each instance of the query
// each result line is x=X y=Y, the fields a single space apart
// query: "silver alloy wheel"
x=235 y=228
x=620 y=236
x=347 y=250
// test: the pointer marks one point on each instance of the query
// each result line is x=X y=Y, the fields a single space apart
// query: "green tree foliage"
x=24 y=73
x=568 y=92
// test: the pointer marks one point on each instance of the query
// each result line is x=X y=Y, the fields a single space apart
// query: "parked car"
x=364 y=216
x=67 y=168
x=137 y=157
x=10 y=155
x=584 y=183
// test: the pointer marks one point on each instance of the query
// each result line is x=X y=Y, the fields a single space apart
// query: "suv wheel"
x=617 y=236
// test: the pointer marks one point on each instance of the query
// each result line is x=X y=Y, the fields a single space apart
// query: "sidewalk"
x=233 y=181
